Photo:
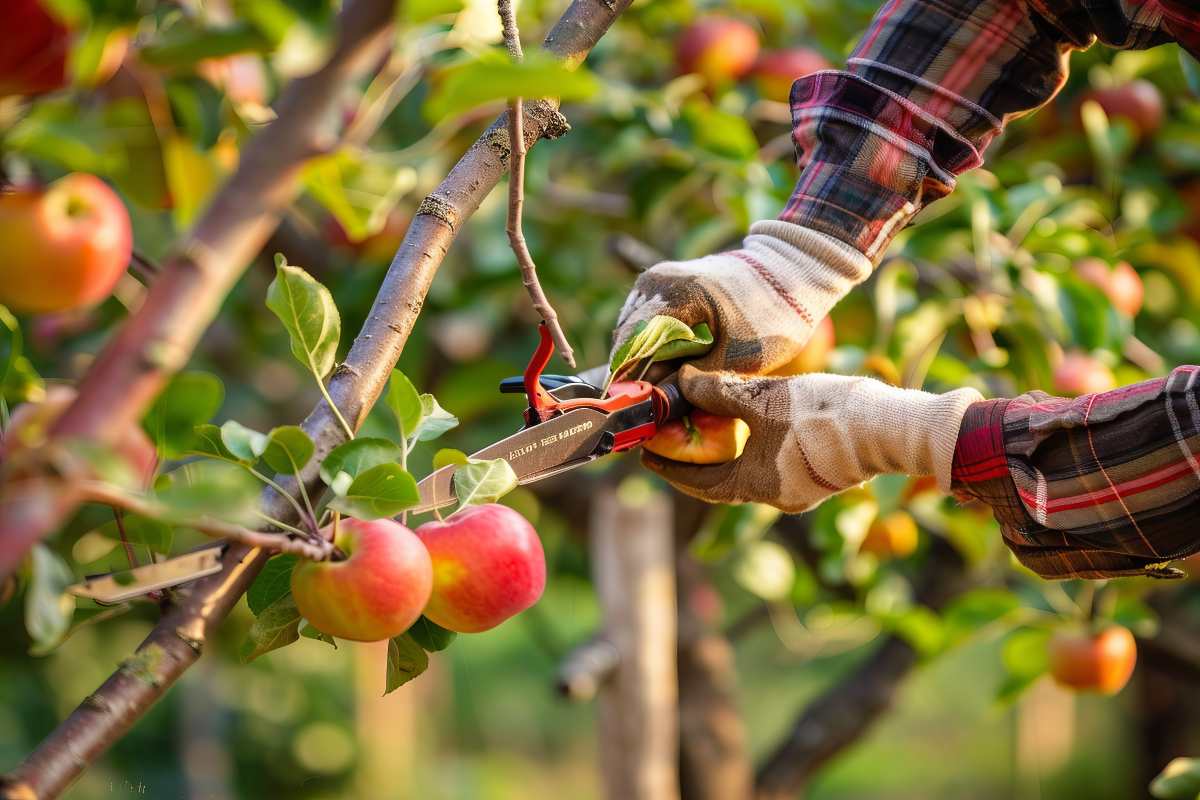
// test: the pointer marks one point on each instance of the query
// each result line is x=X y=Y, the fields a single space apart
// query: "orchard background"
x=883 y=646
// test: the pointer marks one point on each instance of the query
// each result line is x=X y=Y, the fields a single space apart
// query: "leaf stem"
x=332 y=407
x=274 y=485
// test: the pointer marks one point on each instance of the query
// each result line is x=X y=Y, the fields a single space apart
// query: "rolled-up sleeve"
x=929 y=86
x=1092 y=487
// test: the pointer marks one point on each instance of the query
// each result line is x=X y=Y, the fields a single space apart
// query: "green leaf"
x=356 y=456
x=1179 y=780
x=416 y=12
x=10 y=343
x=1191 y=71
x=48 y=607
x=720 y=132
x=246 y=444
x=766 y=569
x=207 y=441
x=359 y=188
x=192 y=178
x=209 y=488
x=306 y=309
x=186 y=42
x=151 y=533
x=430 y=635
x=406 y=660
x=190 y=399
x=658 y=339
x=309 y=632
x=288 y=449
x=272 y=583
x=493 y=76
x=447 y=456
x=733 y=527
x=435 y=420
x=975 y=609
x=277 y=626
x=1025 y=660
x=404 y=401
x=480 y=482
x=381 y=491
x=920 y=627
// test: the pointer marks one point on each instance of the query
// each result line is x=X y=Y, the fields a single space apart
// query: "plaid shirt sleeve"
x=1098 y=486
x=930 y=85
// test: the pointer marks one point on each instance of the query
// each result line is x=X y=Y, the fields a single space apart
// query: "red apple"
x=893 y=535
x=488 y=565
x=63 y=247
x=1137 y=101
x=376 y=592
x=700 y=438
x=814 y=357
x=1121 y=283
x=243 y=77
x=31 y=422
x=776 y=71
x=33 y=49
x=721 y=49
x=1079 y=373
x=1101 y=662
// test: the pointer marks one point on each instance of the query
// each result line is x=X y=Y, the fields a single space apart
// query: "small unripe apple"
x=721 y=49
x=1101 y=662
x=1079 y=373
x=1138 y=101
x=814 y=357
x=776 y=71
x=376 y=592
x=700 y=438
x=893 y=535
x=64 y=246
x=30 y=422
x=488 y=566
x=1120 y=283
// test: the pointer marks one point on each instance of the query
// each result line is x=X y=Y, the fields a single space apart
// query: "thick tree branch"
x=840 y=716
x=516 y=195
x=178 y=640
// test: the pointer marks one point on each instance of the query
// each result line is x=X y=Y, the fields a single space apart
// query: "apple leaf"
x=190 y=399
x=1025 y=659
x=306 y=309
x=246 y=444
x=447 y=456
x=405 y=402
x=405 y=660
x=272 y=583
x=209 y=488
x=381 y=491
x=11 y=343
x=192 y=177
x=157 y=536
x=207 y=441
x=18 y=379
x=309 y=632
x=660 y=338
x=277 y=626
x=766 y=569
x=288 y=449
x=435 y=420
x=356 y=456
x=48 y=607
x=494 y=76
x=430 y=635
x=1179 y=780
x=479 y=482
x=359 y=187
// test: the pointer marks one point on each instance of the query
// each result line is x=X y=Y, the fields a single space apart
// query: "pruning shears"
x=570 y=421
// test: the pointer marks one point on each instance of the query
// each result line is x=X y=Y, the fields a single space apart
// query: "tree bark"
x=632 y=555
x=840 y=716
x=178 y=640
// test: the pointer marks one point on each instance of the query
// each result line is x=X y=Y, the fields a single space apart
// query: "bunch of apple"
x=467 y=573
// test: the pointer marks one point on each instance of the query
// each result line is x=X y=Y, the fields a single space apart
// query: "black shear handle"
x=675 y=404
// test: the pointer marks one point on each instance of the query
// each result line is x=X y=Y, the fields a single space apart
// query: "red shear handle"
x=541 y=403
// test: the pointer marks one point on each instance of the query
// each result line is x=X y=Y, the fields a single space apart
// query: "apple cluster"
x=467 y=573
x=725 y=49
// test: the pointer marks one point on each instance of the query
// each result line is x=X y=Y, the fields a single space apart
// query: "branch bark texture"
x=179 y=639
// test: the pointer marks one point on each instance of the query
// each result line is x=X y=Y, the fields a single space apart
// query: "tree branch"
x=840 y=716
x=516 y=195
x=179 y=638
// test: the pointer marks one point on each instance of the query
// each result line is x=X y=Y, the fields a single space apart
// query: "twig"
x=180 y=636
x=117 y=498
x=516 y=194
x=130 y=556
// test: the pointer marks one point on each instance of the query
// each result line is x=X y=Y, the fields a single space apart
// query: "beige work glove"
x=761 y=302
x=813 y=436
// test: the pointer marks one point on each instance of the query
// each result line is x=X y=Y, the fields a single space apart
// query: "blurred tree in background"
x=1070 y=263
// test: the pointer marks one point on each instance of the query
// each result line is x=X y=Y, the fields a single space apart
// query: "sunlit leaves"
x=1025 y=657
x=288 y=449
x=380 y=491
x=431 y=636
x=357 y=456
x=190 y=399
x=271 y=584
x=306 y=309
x=659 y=338
x=420 y=416
x=1179 y=780
x=277 y=626
x=209 y=488
x=358 y=188
x=405 y=660
x=766 y=569
x=480 y=482
x=493 y=76
x=48 y=607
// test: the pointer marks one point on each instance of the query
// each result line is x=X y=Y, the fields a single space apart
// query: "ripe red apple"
x=893 y=535
x=776 y=71
x=1121 y=283
x=700 y=438
x=1078 y=373
x=376 y=592
x=721 y=49
x=814 y=357
x=488 y=565
x=1138 y=101
x=1102 y=662
x=63 y=247
x=31 y=422
x=33 y=49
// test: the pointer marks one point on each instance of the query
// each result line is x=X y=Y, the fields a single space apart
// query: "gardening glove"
x=761 y=302
x=813 y=436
